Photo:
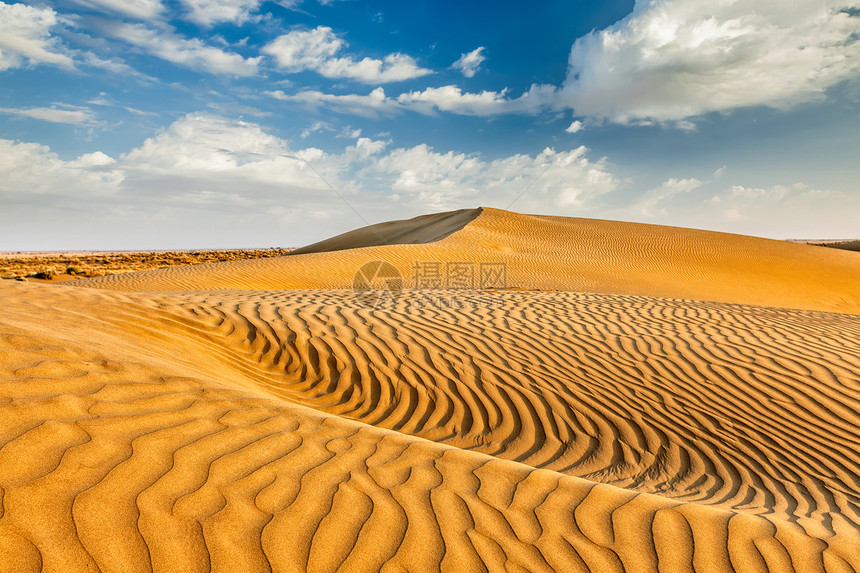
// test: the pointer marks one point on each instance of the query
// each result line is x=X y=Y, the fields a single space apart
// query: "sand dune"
x=443 y=429
x=564 y=254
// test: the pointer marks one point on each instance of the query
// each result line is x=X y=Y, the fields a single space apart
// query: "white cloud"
x=68 y=114
x=563 y=179
x=29 y=170
x=434 y=178
x=25 y=35
x=204 y=170
x=218 y=182
x=315 y=50
x=392 y=68
x=668 y=62
x=316 y=127
x=468 y=64
x=349 y=133
x=574 y=127
x=446 y=98
x=217 y=152
x=113 y=65
x=784 y=211
x=208 y=12
x=365 y=147
x=140 y=9
x=652 y=203
x=304 y=49
x=675 y=59
x=95 y=159
x=452 y=99
x=741 y=203
x=371 y=105
x=192 y=53
x=26 y=38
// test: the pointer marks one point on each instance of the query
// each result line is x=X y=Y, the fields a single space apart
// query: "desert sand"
x=624 y=397
x=71 y=265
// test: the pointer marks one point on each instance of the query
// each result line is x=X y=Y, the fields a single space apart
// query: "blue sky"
x=239 y=123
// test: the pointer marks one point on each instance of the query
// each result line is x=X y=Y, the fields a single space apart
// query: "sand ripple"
x=270 y=430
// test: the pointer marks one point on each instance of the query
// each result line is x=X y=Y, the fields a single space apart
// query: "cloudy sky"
x=247 y=123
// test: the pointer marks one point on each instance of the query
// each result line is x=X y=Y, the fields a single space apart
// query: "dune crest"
x=418 y=230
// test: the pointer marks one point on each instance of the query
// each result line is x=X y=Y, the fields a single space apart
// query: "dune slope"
x=555 y=253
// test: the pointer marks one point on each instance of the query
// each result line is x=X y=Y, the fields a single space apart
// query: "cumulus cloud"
x=349 y=133
x=30 y=169
x=667 y=62
x=216 y=152
x=468 y=64
x=304 y=49
x=192 y=53
x=25 y=36
x=205 y=152
x=558 y=179
x=209 y=12
x=140 y=9
x=205 y=168
x=429 y=101
x=653 y=203
x=220 y=181
x=392 y=68
x=372 y=105
x=673 y=59
x=316 y=127
x=740 y=203
x=67 y=114
x=315 y=50
x=574 y=127
x=452 y=99
x=784 y=211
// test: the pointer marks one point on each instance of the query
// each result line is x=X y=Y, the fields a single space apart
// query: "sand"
x=695 y=411
x=561 y=254
x=63 y=266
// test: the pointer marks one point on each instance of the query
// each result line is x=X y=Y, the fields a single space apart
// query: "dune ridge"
x=560 y=254
x=418 y=230
x=273 y=428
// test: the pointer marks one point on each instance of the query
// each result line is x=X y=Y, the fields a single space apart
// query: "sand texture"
x=202 y=418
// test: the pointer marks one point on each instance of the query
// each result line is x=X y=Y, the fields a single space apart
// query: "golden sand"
x=563 y=254
x=640 y=398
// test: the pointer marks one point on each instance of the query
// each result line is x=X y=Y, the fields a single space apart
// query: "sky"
x=169 y=124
